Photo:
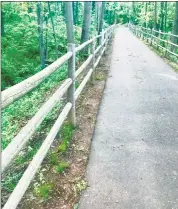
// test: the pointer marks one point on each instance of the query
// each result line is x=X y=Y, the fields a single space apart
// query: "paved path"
x=134 y=158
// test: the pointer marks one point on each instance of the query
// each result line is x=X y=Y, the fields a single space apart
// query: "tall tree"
x=63 y=8
x=69 y=22
x=101 y=19
x=30 y=9
x=40 y=32
x=73 y=10
x=155 y=17
x=2 y=21
x=46 y=34
x=93 y=6
x=162 y=16
x=52 y=23
x=86 y=21
x=146 y=9
x=133 y=12
x=98 y=12
x=165 y=17
x=76 y=12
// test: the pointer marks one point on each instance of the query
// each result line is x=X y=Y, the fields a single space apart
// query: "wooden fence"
x=157 y=38
x=13 y=93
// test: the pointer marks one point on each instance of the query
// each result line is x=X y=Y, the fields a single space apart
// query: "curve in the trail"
x=134 y=157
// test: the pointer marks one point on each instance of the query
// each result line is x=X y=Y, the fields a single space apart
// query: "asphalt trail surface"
x=134 y=157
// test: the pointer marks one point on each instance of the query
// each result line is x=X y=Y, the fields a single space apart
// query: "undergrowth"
x=17 y=114
x=42 y=188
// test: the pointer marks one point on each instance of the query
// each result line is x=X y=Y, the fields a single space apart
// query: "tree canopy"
x=34 y=33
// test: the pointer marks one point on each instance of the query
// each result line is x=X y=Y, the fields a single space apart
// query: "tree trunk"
x=155 y=17
x=98 y=12
x=146 y=9
x=86 y=21
x=101 y=18
x=73 y=10
x=30 y=9
x=175 y=28
x=2 y=22
x=69 y=22
x=162 y=16
x=110 y=16
x=114 y=18
x=54 y=34
x=133 y=12
x=76 y=13
x=58 y=8
x=40 y=32
x=165 y=17
x=63 y=8
x=93 y=6
x=46 y=41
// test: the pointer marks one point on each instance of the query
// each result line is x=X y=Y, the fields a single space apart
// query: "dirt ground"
x=67 y=186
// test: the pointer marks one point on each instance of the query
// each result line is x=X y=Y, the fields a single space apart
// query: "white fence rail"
x=15 y=92
x=157 y=38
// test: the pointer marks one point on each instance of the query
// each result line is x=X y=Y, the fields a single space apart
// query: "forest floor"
x=134 y=157
x=64 y=189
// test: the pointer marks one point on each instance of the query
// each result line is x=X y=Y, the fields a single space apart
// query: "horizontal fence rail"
x=157 y=38
x=26 y=132
x=28 y=175
x=13 y=93
x=83 y=66
x=68 y=86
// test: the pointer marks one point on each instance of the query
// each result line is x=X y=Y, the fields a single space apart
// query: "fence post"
x=102 y=36
x=151 y=36
x=71 y=90
x=93 y=59
x=106 y=38
x=135 y=30
x=100 y=40
x=139 y=33
x=142 y=33
x=166 y=47
x=158 y=41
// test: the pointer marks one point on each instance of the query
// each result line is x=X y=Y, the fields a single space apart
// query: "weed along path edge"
x=62 y=189
x=134 y=154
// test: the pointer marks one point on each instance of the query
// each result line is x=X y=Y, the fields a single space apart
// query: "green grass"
x=100 y=77
x=15 y=116
x=62 y=166
x=53 y=158
x=66 y=135
x=18 y=67
x=10 y=182
x=76 y=84
x=43 y=191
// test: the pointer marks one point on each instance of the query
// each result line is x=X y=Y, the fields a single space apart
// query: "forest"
x=32 y=30
x=34 y=35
